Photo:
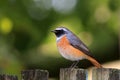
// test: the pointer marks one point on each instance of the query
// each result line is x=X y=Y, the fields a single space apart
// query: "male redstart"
x=72 y=48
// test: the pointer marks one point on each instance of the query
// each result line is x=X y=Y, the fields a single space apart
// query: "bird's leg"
x=74 y=64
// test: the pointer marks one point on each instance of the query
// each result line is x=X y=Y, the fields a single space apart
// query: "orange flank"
x=69 y=51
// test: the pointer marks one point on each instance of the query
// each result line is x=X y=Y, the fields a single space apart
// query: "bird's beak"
x=53 y=31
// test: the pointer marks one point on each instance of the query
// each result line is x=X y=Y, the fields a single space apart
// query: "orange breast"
x=68 y=51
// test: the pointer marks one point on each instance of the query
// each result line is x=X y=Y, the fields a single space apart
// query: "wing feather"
x=77 y=43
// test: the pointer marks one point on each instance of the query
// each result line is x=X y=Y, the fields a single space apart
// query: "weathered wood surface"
x=105 y=74
x=35 y=75
x=67 y=74
x=73 y=74
x=8 y=77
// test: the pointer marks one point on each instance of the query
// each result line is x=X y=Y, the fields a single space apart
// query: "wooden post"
x=35 y=75
x=8 y=77
x=73 y=74
x=105 y=74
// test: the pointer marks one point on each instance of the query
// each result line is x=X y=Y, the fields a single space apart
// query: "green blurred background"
x=27 y=43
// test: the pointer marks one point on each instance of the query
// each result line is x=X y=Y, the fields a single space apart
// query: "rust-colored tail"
x=94 y=62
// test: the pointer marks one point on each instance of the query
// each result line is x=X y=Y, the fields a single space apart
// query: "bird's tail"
x=94 y=62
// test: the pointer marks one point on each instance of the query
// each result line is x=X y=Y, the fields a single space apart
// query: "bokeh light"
x=64 y=6
x=102 y=14
x=6 y=25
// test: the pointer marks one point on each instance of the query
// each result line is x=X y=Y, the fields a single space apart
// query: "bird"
x=72 y=48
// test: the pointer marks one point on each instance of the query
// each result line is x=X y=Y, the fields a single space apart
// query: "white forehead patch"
x=60 y=28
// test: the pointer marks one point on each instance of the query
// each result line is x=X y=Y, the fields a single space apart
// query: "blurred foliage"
x=26 y=41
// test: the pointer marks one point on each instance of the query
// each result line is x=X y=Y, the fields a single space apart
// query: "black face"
x=58 y=33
